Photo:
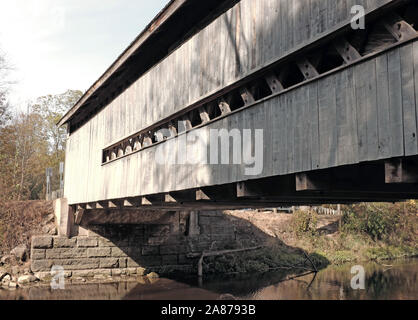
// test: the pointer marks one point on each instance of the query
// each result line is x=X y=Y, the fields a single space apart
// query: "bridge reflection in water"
x=382 y=282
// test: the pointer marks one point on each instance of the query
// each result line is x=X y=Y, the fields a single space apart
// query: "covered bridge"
x=314 y=110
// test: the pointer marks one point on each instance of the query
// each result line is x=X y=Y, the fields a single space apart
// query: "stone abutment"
x=117 y=243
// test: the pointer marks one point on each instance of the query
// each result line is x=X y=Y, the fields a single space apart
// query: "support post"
x=64 y=217
x=194 y=229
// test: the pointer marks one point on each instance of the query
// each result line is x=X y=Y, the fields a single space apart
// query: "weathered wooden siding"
x=366 y=112
x=246 y=37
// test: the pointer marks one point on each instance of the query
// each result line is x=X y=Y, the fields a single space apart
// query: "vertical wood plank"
x=314 y=126
x=298 y=129
x=395 y=103
x=279 y=129
x=315 y=18
x=327 y=123
x=259 y=122
x=290 y=132
x=301 y=23
x=305 y=129
x=346 y=118
x=352 y=115
x=285 y=28
x=415 y=49
x=383 y=106
x=408 y=100
x=367 y=110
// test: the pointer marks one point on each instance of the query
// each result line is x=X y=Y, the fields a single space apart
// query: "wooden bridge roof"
x=173 y=25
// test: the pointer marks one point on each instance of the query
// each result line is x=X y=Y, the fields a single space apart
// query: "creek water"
x=390 y=280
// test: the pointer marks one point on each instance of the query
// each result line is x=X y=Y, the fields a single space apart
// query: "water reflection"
x=399 y=281
x=334 y=283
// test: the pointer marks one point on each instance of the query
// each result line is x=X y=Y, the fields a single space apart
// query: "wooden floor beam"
x=181 y=196
x=116 y=204
x=380 y=181
x=216 y=193
x=312 y=181
x=401 y=171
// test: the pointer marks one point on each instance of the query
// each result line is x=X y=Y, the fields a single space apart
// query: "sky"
x=55 y=45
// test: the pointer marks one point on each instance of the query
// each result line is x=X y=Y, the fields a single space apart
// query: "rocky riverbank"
x=19 y=221
x=300 y=242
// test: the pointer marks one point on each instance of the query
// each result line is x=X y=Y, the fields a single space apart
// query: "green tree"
x=4 y=86
x=24 y=156
x=30 y=143
x=51 y=108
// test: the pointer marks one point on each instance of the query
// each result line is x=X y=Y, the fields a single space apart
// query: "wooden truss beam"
x=159 y=136
x=185 y=124
x=277 y=75
x=224 y=107
x=246 y=96
x=78 y=217
x=204 y=115
x=307 y=69
x=398 y=27
x=173 y=130
x=274 y=83
x=147 y=140
x=346 y=50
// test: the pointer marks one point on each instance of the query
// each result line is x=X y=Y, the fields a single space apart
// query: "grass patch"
x=372 y=231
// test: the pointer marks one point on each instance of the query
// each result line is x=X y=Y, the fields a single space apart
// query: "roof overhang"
x=178 y=21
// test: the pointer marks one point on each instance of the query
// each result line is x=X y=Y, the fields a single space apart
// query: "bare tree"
x=4 y=87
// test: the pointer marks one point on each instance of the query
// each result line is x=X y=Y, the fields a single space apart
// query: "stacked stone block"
x=126 y=249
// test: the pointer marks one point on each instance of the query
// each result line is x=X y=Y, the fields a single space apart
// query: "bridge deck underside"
x=379 y=181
